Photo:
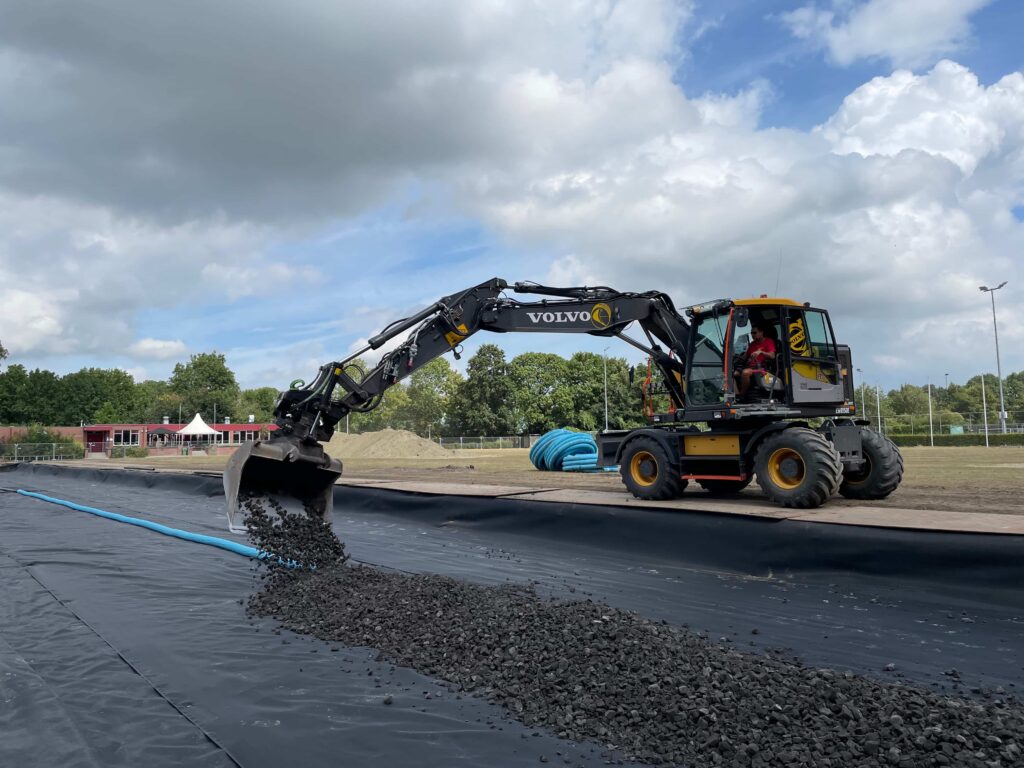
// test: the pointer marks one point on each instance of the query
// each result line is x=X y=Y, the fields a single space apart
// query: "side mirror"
x=632 y=374
x=741 y=316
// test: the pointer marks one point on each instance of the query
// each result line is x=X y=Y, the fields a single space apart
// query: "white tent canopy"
x=197 y=427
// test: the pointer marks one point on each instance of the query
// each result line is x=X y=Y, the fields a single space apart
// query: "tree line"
x=531 y=393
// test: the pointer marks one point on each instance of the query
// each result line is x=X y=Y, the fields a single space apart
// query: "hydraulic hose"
x=198 y=538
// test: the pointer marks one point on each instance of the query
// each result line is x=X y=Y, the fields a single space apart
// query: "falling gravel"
x=297 y=540
x=655 y=692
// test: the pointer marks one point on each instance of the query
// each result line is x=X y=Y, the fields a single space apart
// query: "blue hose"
x=198 y=538
x=561 y=449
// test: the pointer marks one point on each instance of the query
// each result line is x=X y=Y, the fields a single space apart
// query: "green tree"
x=543 y=398
x=485 y=404
x=153 y=401
x=3 y=352
x=259 y=403
x=87 y=390
x=205 y=383
x=906 y=400
x=14 y=405
x=42 y=399
x=108 y=414
x=431 y=389
x=586 y=380
x=392 y=413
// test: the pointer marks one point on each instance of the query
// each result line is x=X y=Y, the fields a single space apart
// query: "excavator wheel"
x=798 y=467
x=882 y=470
x=649 y=472
x=724 y=487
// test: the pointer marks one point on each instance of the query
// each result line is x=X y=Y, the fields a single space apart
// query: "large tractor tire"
x=649 y=472
x=724 y=487
x=798 y=467
x=882 y=470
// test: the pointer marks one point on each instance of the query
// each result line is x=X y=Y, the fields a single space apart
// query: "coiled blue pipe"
x=198 y=538
x=563 y=450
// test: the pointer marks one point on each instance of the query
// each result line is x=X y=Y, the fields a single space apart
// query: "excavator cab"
x=807 y=370
x=285 y=474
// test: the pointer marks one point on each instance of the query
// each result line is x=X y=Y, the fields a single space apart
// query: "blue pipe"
x=561 y=449
x=198 y=538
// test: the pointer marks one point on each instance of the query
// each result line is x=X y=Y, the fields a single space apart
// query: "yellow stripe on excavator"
x=454 y=338
x=765 y=300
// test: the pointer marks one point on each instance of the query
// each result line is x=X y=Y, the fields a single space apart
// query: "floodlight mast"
x=999 y=369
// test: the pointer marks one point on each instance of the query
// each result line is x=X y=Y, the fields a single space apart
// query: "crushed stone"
x=654 y=692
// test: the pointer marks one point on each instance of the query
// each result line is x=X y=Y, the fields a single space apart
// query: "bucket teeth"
x=288 y=471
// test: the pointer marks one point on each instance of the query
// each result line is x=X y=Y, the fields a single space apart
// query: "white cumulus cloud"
x=158 y=349
x=908 y=33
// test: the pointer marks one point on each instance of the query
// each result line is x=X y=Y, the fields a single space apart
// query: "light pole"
x=999 y=369
x=878 y=408
x=947 y=381
x=863 y=398
x=931 y=429
x=984 y=409
x=605 y=354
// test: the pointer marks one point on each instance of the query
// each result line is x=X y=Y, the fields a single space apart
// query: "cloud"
x=906 y=32
x=147 y=166
x=313 y=108
x=945 y=113
x=74 y=276
x=237 y=280
x=158 y=349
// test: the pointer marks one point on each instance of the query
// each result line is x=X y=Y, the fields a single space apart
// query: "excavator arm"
x=293 y=464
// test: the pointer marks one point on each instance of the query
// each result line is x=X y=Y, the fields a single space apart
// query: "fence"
x=917 y=423
x=40 y=451
x=457 y=443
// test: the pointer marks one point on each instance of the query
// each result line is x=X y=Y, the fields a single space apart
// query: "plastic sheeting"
x=119 y=646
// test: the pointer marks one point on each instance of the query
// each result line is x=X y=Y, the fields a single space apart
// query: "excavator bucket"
x=297 y=476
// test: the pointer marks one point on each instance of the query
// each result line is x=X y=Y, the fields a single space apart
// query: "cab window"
x=819 y=336
x=707 y=381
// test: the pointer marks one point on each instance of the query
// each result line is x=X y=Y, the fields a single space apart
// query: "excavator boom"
x=292 y=467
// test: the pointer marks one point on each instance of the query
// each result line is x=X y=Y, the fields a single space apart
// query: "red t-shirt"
x=764 y=345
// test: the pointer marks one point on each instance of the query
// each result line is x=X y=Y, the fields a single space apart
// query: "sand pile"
x=386 y=444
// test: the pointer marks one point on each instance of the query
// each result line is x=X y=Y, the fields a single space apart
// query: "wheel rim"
x=786 y=468
x=861 y=475
x=643 y=468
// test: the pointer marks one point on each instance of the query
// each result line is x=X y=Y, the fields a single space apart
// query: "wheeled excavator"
x=796 y=429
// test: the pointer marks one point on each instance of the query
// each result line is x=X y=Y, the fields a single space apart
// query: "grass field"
x=972 y=479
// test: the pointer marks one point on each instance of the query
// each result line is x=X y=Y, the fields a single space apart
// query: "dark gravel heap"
x=298 y=539
x=657 y=693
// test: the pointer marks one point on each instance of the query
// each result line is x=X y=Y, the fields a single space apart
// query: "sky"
x=278 y=181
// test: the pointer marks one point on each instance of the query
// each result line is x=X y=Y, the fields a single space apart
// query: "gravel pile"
x=657 y=693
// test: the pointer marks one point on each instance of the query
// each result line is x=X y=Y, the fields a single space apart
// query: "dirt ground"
x=948 y=479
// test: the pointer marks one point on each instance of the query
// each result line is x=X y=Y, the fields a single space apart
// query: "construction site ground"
x=971 y=489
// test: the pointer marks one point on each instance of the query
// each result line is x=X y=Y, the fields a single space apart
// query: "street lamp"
x=863 y=397
x=999 y=370
x=605 y=353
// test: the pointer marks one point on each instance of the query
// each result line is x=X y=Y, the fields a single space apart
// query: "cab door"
x=815 y=370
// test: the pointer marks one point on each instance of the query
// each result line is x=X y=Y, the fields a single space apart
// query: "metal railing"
x=40 y=451
x=918 y=423
x=477 y=443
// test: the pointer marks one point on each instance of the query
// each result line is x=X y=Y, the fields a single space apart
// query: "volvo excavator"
x=796 y=429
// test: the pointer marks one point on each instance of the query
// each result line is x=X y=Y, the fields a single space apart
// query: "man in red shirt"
x=760 y=352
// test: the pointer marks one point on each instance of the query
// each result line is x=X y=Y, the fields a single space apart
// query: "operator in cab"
x=761 y=351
